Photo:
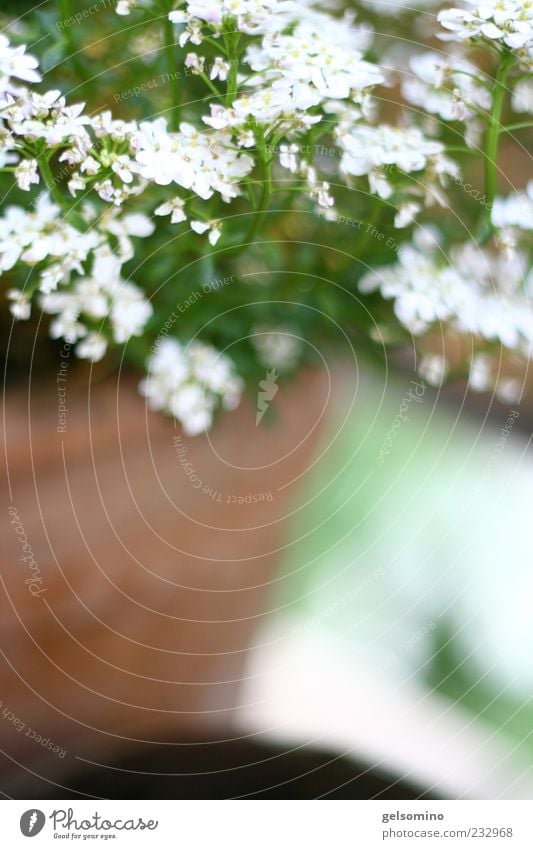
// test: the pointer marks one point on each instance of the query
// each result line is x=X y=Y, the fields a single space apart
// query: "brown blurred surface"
x=152 y=584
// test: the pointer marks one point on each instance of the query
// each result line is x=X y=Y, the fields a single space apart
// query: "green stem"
x=262 y=209
x=172 y=65
x=525 y=125
x=56 y=194
x=494 y=130
x=483 y=83
x=209 y=83
x=461 y=149
x=50 y=181
x=232 y=42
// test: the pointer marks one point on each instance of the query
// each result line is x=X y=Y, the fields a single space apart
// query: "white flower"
x=509 y=390
x=289 y=157
x=27 y=173
x=515 y=210
x=219 y=69
x=379 y=184
x=98 y=297
x=124 y=7
x=123 y=227
x=33 y=236
x=15 y=62
x=366 y=149
x=20 y=304
x=278 y=348
x=192 y=408
x=174 y=208
x=248 y=16
x=213 y=227
x=103 y=124
x=203 y=162
x=507 y=21
x=522 y=100
x=195 y=63
x=7 y=147
x=106 y=190
x=322 y=196
x=322 y=53
x=129 y=311
x=67 y=324
x=92 y=347
x=90 y=166
x=124 y=167
x=76 y=184
x=190 y=383
x=245 y=138
x=444 y=85
x=477 y=292
x=406 y=214
x=47 y=117
x=433 y=368
x=480 y=377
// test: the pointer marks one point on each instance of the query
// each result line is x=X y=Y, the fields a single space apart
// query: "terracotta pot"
x=148 y=563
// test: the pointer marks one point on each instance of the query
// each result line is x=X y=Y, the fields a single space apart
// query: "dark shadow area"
x=228 y=770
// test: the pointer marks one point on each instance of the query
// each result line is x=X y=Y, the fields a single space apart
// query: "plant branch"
x=173 y=72
x=55 y=192
x=525 y=125
x=494 y=129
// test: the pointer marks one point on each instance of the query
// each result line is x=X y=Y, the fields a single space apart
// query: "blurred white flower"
x=20 y=306
x=522 y=99
x=92 y=347
x=190 y=383
x=515 y=210
x=476 y=291
x=278 y=347
x=433 y=368
x=445 y=86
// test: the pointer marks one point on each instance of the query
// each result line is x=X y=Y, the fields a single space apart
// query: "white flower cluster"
x=204 y=163
x=322 y=53
x=15 y=62
x=509 y=22
x=103 y=295
x=514 y=211
x=374 y=151
x=522 y=100
x=190 y=383
x=447 y=86
x=253 y=17
x=366 y=148
x=281 y=77
x=278 y=348
x=39 y=235
x=477 y=292
x=321 y=59
x=119 y=158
